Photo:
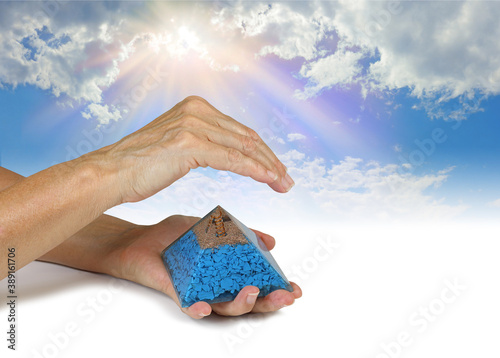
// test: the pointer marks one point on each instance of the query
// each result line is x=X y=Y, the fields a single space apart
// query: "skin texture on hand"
x=192 y=134
x=40 y=212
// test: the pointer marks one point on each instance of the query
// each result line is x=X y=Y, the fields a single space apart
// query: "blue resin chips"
x=217 y=257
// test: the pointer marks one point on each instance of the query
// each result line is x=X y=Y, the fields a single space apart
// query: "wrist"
x=100 y=171
x=96 y=248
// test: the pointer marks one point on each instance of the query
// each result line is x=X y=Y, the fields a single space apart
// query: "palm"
x=141 y=262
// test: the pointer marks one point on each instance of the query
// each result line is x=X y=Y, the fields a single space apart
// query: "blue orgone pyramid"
x=217 y=257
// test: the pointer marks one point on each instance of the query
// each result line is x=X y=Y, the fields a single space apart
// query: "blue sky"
x=344 y=92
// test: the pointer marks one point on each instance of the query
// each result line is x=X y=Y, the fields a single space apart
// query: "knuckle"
x=234 y=156
x=193 y=104
x=248 y=144
x=277 y=163
x=253 y=134
x=185 y=138
x=194 y=98
x=190 y=121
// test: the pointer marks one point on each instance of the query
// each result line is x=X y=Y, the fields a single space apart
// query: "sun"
x=188 y=39
x=177 y=43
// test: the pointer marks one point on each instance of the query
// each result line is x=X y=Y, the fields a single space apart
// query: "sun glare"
x=188 y=38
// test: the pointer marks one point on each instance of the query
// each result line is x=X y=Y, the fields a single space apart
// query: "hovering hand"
x=136 y=257
x=192 y=134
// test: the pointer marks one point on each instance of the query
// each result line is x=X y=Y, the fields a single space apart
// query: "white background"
x=361 y=294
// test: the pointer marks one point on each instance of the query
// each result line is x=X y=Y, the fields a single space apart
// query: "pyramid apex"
x=218 y=207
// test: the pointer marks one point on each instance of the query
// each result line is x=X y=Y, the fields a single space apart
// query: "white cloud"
x=56 y=50
x=277 y=139
x=432 y=47
x=179 y=43
x=75 y=49
x=397 y=148
x=295 y=136
x=495 y=203
x=355 y=120
x=437 y=49
x=339 y=69
x=291 y=156
x=351 y=189
x=296 y=28
x=102 y=113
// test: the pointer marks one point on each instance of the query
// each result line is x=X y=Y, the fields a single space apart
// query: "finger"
x=277 y=300
x=244 y=144
x=229 y=136
x=233 y=125
x=224 y=158
x=198 y=310
x=268 y=240
x=297 y=291
x=157 y=278
x=243 y=303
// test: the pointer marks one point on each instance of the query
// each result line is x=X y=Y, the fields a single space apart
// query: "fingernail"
x=288 y=182
x=203 y=314
x=252 y=297
x=283 y=306
x=272 y=175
